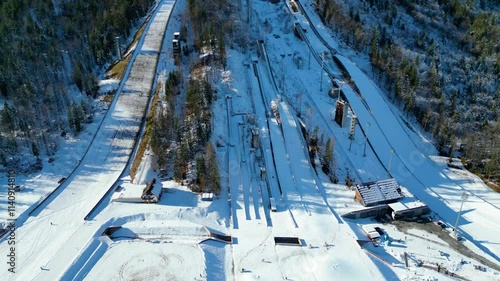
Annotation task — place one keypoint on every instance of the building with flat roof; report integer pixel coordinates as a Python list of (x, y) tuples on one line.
[(129, 192), (400, 210), (207, 196)]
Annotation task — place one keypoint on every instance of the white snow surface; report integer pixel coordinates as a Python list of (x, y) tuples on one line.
[(53, 232), (108, 85), (130, 260), (171, 240)]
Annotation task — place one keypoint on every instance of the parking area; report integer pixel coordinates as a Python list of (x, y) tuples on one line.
[(444, 234)]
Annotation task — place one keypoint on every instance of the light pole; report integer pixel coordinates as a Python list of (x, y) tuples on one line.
[(390, 161), (309, 61), (341, 83), (299, 97), (282, 74), (366, 138), (465, 197), (321, 73)]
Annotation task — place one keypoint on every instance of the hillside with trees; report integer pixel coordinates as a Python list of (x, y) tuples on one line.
[(439, 61), (180, 135), (52, 54)]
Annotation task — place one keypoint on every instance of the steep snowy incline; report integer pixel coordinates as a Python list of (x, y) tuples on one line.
[(281, 156), (393, 127), (316, 224), (281, 221), (44, 239), (327, 229), (441, 189), (420, 174), (157, 29), (252, 232)]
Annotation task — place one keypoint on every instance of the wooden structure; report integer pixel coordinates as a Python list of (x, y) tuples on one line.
[(378, 192)]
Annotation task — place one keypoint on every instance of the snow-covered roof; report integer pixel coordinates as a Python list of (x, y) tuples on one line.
[(403, 206), (379, 192), (370, 231), (207, 196), (397, 206), (129, 190)]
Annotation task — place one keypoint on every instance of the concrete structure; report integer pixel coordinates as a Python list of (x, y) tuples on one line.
[(340, 113), (272, 203), (134, 193), (401, 210), (207, 196), (370, 232), (379, 210), (263, 173), (152, 192), (396, 211), (255, 138)]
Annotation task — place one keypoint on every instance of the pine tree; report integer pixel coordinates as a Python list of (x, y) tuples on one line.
[(78, 75), (34, 149), (222, 50), (181, 162), (328, 156), (201, 173), (71, 119), (314, 137), (374, 53), (8, 121), (433, 81), (77, 114), (157, 146), (213, 177)]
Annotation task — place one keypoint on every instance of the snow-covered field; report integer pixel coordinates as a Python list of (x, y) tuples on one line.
[(176, 239), (148, 261)]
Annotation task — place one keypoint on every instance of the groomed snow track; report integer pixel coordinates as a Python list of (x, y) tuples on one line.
[(158, 46)]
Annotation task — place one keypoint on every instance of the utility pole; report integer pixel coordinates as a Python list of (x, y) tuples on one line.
[(465, 197), (390, 162), (298, 103), (366, 138), (309, 63), (340, 87), (282, 74), (321, 73)]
